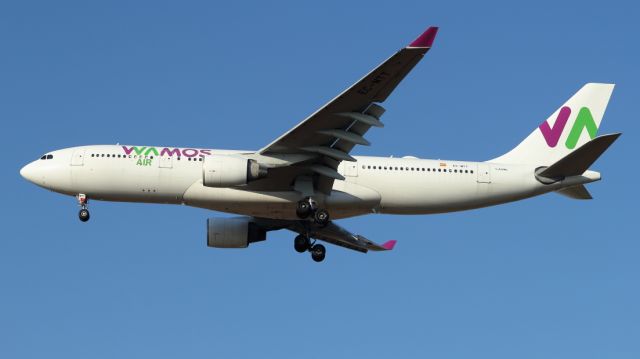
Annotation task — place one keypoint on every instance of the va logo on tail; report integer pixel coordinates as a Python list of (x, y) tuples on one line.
[(583, 120)]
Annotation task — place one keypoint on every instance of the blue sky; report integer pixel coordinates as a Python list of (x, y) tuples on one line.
[(543, 278)]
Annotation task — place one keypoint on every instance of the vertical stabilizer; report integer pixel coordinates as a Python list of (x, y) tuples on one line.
[(572, 125)]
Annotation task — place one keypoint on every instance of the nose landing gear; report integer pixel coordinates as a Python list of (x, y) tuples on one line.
[(84, 211)]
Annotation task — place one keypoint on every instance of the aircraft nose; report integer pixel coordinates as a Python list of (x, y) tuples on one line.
[(27, 172)]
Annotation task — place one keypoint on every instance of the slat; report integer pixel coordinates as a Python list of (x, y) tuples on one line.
[(360, 117), (347, 136), (330, 152), (326, 171)]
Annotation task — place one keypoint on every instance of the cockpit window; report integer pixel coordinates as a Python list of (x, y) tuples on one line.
[(43, 157), (49, 157)]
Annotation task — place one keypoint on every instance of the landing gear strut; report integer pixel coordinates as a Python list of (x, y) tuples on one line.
[(84, 211), (302, 243), (309, 208)]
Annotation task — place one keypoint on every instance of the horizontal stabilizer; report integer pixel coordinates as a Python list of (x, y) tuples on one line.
[(578, 161), (576, 192)]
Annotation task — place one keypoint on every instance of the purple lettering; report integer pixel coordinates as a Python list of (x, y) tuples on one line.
[(127, 151), (552, 135), (191, 152), (170, 152)]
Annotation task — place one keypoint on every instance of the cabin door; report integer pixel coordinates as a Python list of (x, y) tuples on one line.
[(77, 158), (484, 173)]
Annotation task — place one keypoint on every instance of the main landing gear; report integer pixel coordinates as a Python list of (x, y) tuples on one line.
[(84, 211), (309, 208), (302, 243)]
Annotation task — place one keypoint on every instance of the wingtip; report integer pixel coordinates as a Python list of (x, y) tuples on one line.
[(388, 245), (426, 39)]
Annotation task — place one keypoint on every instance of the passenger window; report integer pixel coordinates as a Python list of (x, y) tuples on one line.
[(471, 171)]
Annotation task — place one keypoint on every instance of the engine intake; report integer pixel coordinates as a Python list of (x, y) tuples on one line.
[(227, 171), (235, 232)]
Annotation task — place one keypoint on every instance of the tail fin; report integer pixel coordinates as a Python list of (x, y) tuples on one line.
[(564, 130)]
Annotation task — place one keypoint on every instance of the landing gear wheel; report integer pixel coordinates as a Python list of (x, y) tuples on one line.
[(303, 209), (84, 215), (301, 243), (321, 217), (318, 252)]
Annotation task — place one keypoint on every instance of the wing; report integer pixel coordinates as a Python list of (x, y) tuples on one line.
[(325, 138)]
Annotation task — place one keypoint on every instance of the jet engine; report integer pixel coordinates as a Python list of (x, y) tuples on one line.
[(235, 232), (227, 171)]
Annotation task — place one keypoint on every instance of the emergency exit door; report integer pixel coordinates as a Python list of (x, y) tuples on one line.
[(351, 169)]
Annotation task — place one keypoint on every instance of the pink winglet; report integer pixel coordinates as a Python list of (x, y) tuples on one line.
[(426, 39), (389, 245)]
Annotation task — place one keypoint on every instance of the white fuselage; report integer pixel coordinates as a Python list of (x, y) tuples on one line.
[(371, 185)]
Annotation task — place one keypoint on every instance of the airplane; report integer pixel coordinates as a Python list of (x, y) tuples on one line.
[(306, 179)]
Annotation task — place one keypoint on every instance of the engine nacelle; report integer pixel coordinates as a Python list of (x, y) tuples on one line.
[(227, 171), (235, 232)]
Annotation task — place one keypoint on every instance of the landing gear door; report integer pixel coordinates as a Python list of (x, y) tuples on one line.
[(77, 159), (484, 173)]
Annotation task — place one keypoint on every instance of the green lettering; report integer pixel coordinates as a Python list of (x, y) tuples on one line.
[(139, 163), (583, 120), (151, 149), (138, 150)]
